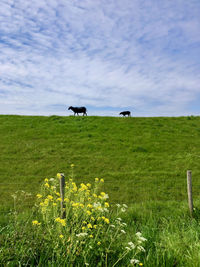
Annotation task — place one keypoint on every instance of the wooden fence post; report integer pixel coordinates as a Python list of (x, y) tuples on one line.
[(189, 189), (62, 195)]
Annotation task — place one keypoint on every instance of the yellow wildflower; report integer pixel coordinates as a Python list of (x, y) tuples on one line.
[(66, 199), (88, 192), (81, 205), (54, 204), (59, 199), (89, 225), (89, 212), (74, 187), (88, 185), (89, 205), (42, 204), (75, 204), (62, 221), (140, 264), (47, 185), (49, 197), (92, 218), (107, 204), (46, 180), (102, 194), (106, 220), (35, 222), (89, 198), (38, 196), (99, 243), (83, 228), (102, 180), (83, 187), (59, 176), (46, 202), (72, 165), (96, 179), (91, 236), (94, 195), (95, 226), (61, 236), (57, 193)]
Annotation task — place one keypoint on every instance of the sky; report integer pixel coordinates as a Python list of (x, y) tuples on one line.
[(106, 55)]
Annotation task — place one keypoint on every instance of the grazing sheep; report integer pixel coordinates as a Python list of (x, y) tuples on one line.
[(124, 113), (78, 110)]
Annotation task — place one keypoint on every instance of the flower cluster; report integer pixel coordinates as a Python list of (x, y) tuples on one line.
[(82, 220)]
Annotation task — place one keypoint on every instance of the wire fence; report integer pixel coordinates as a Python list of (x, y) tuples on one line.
[(128, 191)]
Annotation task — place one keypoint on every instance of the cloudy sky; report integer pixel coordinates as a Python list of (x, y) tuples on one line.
[(107, 55)]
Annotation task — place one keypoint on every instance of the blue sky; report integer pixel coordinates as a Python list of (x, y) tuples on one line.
[(141, 55)]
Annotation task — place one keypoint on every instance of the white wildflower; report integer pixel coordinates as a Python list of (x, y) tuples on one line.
[(123, 209), (123, 232), (125, 206), (127, 248), (96, 205), (138, 234), (112, 225), (106, 210), (118, 205), (124, 224), (51, 179), (131, 245), (105, 196), (143, 239), (134, 261), (140, 248), (119, 219), (81, 234)]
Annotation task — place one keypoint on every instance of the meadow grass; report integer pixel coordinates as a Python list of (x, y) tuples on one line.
[(142, 160), (139, 158)]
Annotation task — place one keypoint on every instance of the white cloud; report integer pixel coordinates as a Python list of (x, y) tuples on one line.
[(114, 54)]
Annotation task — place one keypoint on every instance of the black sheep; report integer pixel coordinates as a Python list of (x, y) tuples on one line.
[(78, 110), (124, 113)]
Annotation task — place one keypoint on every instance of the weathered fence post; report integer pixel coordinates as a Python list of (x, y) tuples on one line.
[(189, 189), (62, 195)]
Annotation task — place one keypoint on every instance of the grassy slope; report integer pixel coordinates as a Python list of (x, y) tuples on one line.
[(139, 158)]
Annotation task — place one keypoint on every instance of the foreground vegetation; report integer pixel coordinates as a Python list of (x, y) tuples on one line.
[(94, 234), (143, 162), (81, 232)]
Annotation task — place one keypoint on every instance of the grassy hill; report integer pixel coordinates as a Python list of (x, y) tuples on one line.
[(140, 158), (143, 162)]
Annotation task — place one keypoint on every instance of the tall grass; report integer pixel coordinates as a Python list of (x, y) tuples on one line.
[(94, 233)]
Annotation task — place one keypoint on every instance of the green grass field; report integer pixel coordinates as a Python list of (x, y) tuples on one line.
[(139, 158), (142, 160)]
